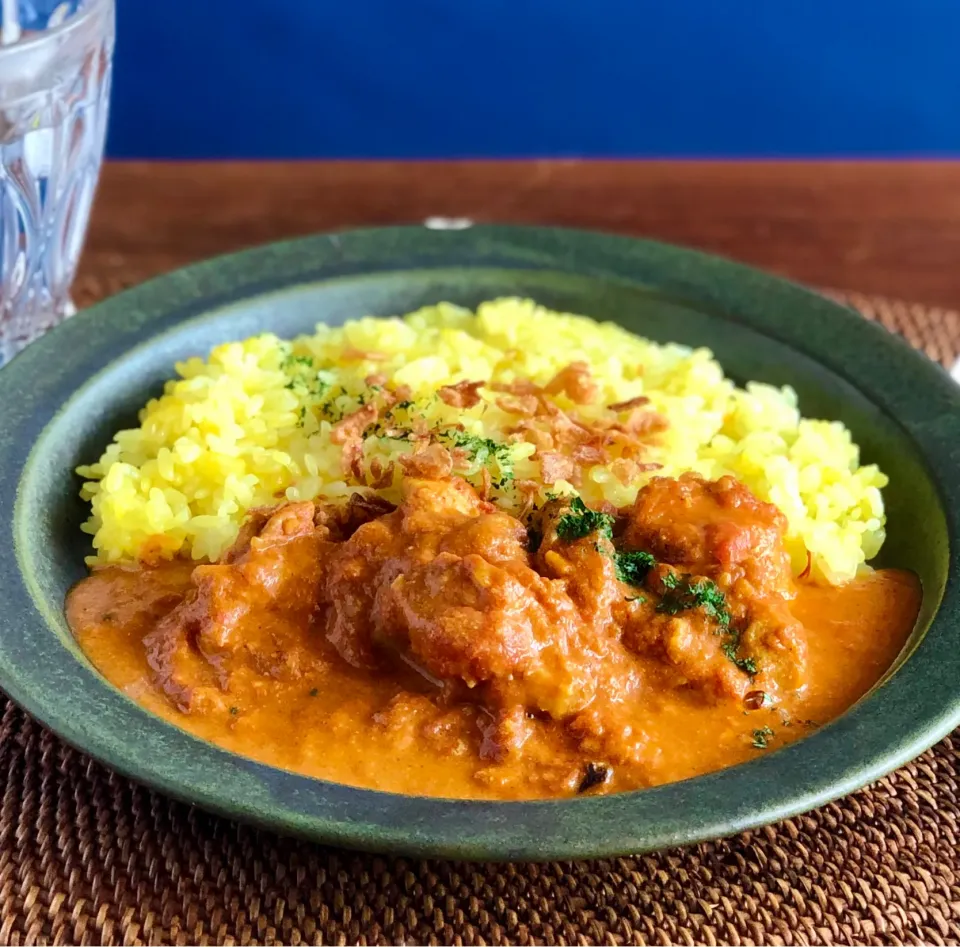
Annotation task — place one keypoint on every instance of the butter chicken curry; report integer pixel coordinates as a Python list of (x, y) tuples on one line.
[(444, 647)]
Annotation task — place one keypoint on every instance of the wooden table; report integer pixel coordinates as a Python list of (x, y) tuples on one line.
[(878, 227)]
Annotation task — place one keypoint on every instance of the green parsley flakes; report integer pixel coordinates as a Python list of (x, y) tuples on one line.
[(581, 521), (632, 567), (761, 738)]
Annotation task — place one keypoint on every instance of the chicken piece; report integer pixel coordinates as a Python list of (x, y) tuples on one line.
[(462, 618), (446, 583), (435, 506), (247, 611), (351, 587), (576, 546), (502, 629), (712, 528), (750, 642), (690, 650), (498, 537), (721, 538), (778, 644), (384, 548)]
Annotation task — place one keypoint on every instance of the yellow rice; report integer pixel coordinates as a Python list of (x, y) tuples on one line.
[(238, 431)]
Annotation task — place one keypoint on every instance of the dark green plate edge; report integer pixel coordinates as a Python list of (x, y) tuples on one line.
[(916, 707)]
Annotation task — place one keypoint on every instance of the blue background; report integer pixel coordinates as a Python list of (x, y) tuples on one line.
[(498, 78)]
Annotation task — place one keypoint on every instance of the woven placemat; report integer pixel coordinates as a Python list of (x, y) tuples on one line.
[(87, 857)]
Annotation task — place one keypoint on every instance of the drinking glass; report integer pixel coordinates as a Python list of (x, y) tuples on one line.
[(55, 61)]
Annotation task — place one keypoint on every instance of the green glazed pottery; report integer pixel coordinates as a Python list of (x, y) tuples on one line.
[(62, 399)]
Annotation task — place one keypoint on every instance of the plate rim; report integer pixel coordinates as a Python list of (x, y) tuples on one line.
[(529, 830)]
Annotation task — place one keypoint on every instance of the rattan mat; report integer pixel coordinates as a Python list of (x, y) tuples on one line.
[(87, 857)]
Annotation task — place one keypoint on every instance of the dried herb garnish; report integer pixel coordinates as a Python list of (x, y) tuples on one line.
[(482, 450), (685, 592), (581, 521), (761, 738), (731, 648), (596, 774), (305, 379), (632, 567), (670, 581)]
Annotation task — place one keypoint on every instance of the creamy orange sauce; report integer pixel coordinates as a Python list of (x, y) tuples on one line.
[(395, 729)]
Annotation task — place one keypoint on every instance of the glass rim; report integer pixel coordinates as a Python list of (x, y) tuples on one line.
[(70, 25)]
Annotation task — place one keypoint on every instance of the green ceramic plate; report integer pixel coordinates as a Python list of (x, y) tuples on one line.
[(62, 399)]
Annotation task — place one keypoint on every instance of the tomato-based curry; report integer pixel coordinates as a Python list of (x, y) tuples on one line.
[(444, 647)]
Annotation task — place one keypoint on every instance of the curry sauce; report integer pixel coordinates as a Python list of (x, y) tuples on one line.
[(447, 648)]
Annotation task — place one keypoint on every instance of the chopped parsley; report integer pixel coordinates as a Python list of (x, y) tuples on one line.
[(314, 691), (234, 711), (582, 521), (761, 738), (632, 567), (305, 380), (480, 449), (684, 592), (404, 405), (731, 649), (483, 452)]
